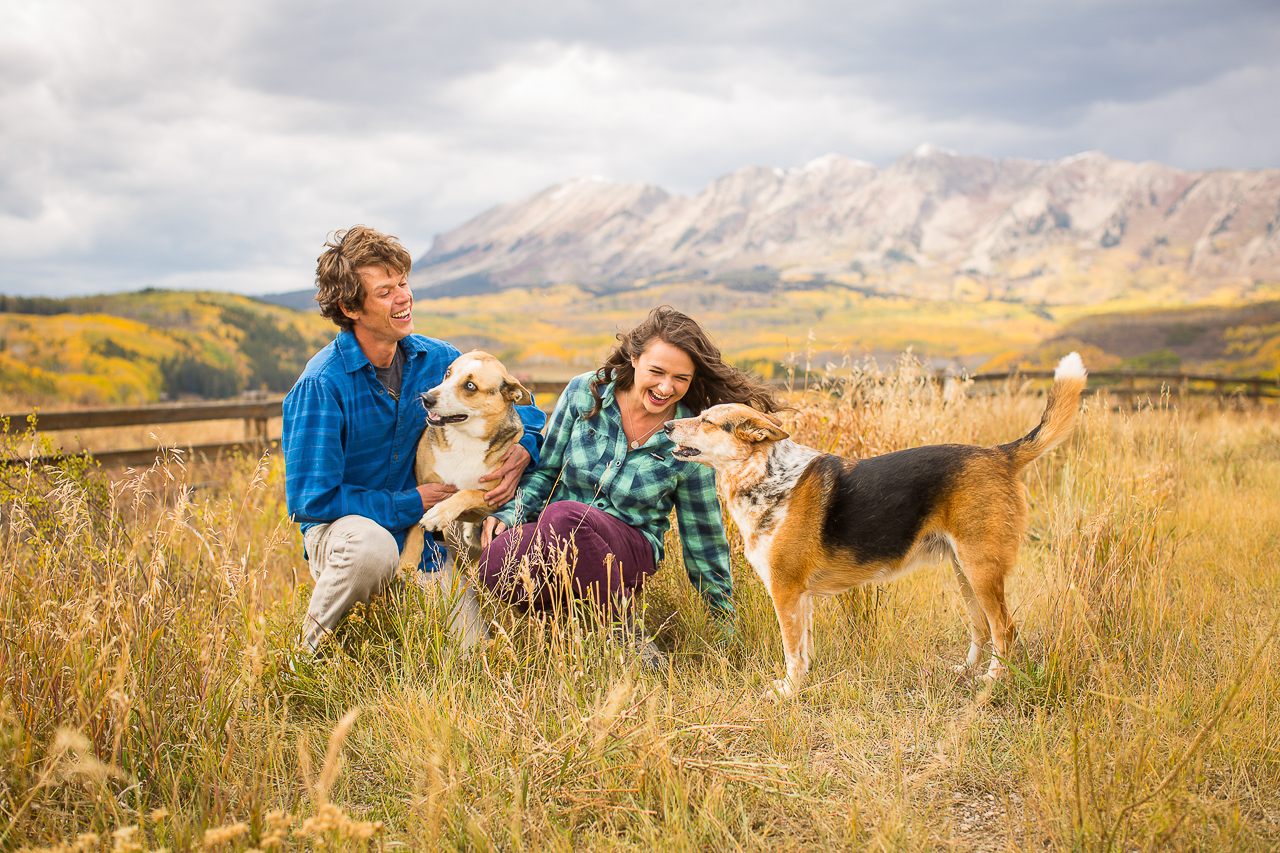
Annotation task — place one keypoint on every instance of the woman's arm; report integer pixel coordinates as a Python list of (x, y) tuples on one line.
[(706, 550)]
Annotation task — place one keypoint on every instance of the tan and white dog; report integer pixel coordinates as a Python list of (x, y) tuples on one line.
[(471, 424), (818, 524)]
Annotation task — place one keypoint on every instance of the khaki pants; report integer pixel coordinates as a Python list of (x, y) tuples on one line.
[(354, 558)]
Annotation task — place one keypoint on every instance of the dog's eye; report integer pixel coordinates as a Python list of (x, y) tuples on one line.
[(448, 373), (471, 386)]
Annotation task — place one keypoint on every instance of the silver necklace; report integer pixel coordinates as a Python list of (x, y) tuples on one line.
[(642, 439)]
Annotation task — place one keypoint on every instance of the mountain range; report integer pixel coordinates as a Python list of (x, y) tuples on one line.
[(1079, 230)]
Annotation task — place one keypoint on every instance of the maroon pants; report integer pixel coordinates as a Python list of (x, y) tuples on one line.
[(573, 548)]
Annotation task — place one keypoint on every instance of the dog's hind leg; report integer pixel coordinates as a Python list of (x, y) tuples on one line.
[(414, 542), (985, 573), (795, 619), (979, 628)]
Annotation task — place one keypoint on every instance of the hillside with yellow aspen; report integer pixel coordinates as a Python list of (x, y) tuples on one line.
[(152, 345)]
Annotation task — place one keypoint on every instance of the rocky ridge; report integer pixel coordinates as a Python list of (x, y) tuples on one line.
[(839, 219)]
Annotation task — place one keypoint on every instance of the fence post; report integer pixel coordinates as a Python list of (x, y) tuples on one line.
[(255, 430)]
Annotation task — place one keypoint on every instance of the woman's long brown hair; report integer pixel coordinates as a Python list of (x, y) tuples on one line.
[(714, 382)]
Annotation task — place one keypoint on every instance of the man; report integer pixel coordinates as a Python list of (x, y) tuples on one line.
[(351, 429)]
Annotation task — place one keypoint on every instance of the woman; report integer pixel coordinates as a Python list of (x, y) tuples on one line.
[(607, 481)]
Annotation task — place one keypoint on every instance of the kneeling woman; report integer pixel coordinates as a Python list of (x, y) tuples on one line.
[(602, 493)]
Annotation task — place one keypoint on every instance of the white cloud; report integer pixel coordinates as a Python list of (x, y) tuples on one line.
[(1232, 121), (150, 142)]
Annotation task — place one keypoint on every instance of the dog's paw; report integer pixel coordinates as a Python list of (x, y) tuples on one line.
[(992, 675), (431, 520), (781, 689), (960, 668)]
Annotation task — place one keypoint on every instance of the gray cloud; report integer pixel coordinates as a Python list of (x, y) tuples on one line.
[(151, 143)]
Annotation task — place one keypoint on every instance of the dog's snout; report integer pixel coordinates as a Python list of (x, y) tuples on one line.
[(668, 427), (429, 398)]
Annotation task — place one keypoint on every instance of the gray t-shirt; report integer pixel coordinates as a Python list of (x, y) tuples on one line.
[(390, 375)]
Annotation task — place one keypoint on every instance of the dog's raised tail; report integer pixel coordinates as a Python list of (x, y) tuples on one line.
[(1059, 417)]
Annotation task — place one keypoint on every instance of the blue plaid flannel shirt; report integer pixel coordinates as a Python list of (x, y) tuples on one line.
[(349, 445), (591, 462)]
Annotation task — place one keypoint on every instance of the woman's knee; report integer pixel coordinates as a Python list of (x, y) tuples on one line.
[(498, 564), (563, 518)]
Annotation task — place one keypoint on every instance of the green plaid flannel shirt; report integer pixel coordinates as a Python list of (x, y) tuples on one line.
[(591, 462)]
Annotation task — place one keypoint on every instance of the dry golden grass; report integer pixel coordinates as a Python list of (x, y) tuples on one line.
[(146, 632)]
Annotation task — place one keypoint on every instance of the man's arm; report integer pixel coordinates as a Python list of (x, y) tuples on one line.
[(315, 465), (518, 458), (536, 486), (534, 420), (508, 473)]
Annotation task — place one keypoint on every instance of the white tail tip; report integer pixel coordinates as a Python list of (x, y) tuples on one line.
[(1071, 367)]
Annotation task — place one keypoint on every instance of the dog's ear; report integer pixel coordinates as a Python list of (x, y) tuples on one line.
[(515, 392), (760, 427)]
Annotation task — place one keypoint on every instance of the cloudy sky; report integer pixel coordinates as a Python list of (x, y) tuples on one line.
[(172, 144)]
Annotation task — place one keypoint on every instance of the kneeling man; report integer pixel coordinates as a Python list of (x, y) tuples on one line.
[(351, 429)]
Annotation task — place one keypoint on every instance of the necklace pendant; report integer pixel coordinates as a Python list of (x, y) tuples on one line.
[(635, 444)]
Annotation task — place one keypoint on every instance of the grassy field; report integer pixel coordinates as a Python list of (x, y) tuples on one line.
[(147, 622)]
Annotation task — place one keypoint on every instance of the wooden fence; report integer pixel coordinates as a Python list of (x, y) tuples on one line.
[(1131, 385), (256, 415)]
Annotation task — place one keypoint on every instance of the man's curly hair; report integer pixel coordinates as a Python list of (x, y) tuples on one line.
[(337, 285)]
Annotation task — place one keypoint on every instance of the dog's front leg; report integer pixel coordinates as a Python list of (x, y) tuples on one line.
[(795, 619), (447, 511)]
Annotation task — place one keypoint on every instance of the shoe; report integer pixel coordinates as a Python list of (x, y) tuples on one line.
[(651, 657), (631, 636), (297, 672)]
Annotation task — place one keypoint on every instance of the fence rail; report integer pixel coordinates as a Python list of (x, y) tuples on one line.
[(257, 413), (1176, 383)]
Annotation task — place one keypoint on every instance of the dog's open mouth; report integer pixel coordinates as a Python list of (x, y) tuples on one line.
[(682, 452), (441, 420)]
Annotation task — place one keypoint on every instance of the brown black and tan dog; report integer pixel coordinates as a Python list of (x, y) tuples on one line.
[(818, 524), (471, 424)]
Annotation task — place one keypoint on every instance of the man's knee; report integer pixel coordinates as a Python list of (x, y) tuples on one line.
[(365, 549)]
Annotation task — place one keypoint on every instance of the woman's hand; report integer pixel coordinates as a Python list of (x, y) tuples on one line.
[(492, 527)]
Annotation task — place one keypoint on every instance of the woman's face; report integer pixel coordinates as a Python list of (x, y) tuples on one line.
[(663, 374)]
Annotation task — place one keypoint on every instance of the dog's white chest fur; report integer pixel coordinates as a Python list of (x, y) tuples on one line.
[(760, 507), (462, 464)]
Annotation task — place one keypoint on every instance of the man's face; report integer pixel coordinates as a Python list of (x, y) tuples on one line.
[(387, 314)]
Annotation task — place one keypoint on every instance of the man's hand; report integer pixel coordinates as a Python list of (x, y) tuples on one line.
[(433, 493), (492, 527), (513, 465)]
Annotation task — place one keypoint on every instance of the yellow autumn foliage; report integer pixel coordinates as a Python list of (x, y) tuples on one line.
[(127, 349)]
